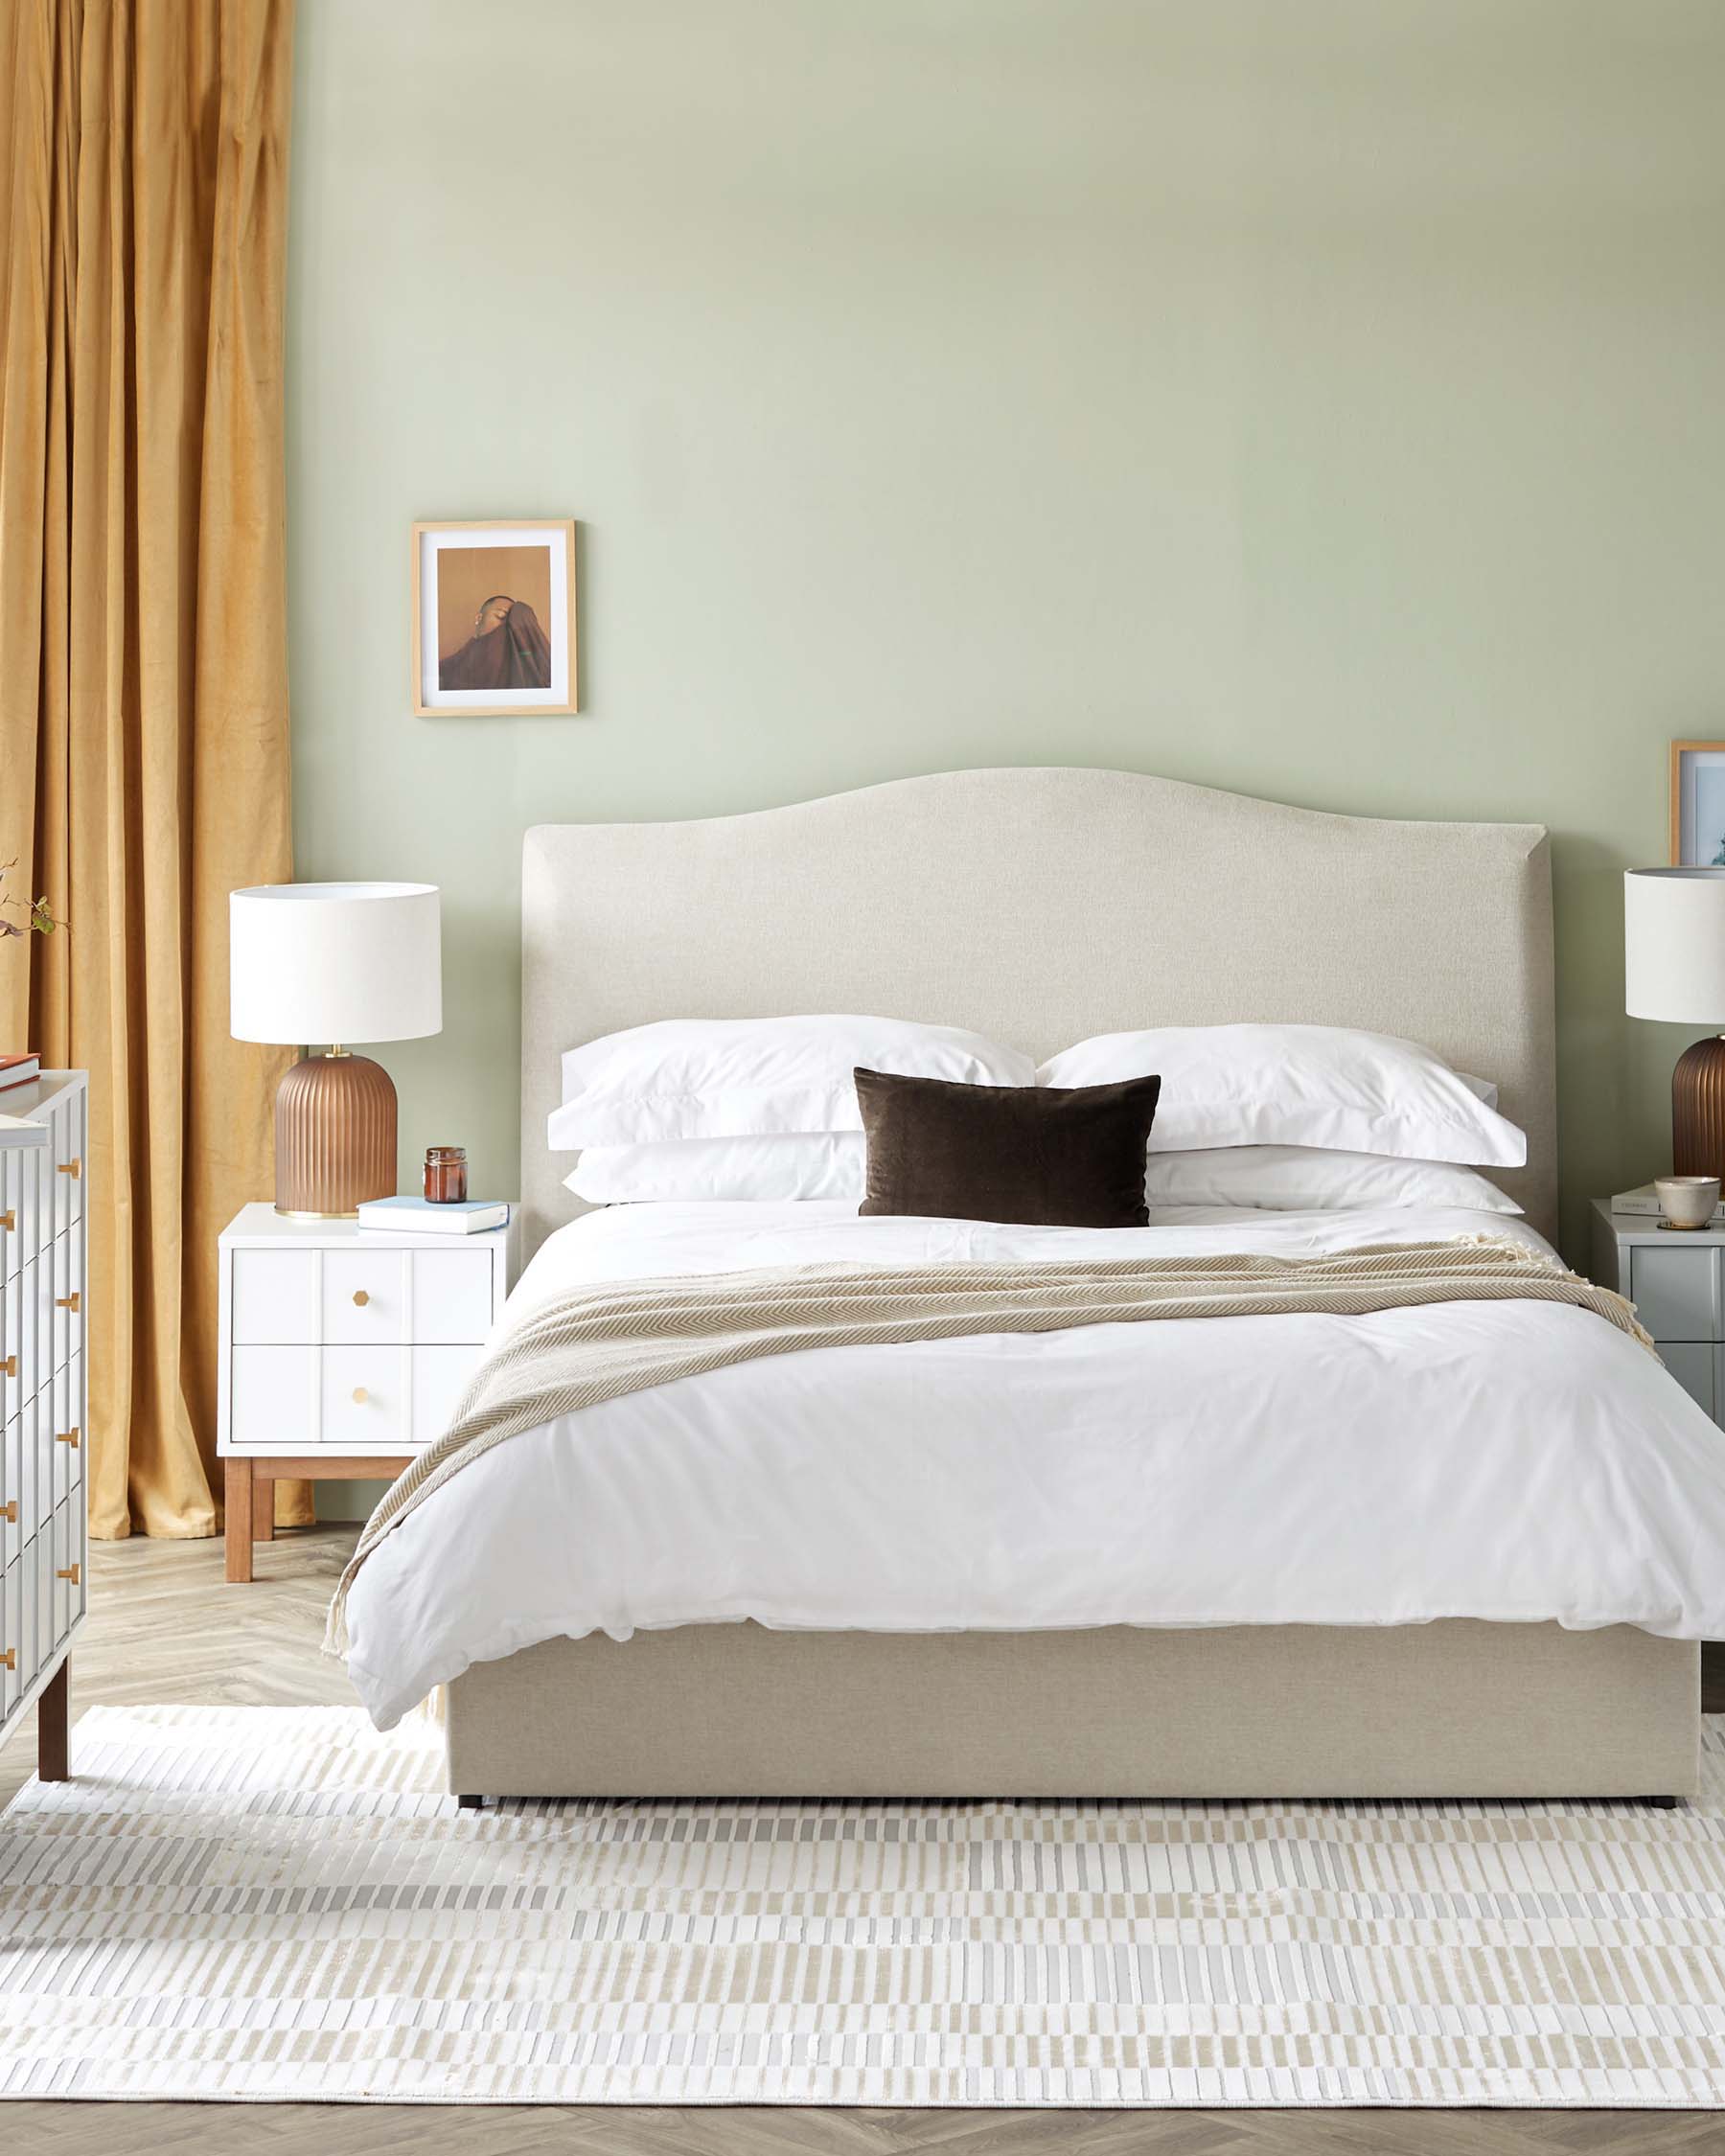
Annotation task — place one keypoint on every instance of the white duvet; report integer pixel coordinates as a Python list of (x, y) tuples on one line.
[(1517, 1461)]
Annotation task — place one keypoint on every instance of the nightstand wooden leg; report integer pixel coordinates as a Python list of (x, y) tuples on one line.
[(54, 1759), (240, 1520), (262, 1508)]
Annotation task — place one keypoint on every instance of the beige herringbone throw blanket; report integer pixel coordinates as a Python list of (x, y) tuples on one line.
[(597, 1344)]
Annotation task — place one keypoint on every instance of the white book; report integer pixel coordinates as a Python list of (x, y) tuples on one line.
[(1644, 1203), (418, 1216)]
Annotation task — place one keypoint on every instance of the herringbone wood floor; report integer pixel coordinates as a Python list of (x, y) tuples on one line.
[(165, 1628)]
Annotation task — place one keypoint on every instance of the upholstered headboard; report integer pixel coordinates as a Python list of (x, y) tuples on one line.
[(1040, 907)]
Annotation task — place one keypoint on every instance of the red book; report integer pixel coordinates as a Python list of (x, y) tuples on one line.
[(18, 1070)]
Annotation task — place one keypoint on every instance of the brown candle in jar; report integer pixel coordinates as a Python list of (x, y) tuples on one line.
[(446, 1174)]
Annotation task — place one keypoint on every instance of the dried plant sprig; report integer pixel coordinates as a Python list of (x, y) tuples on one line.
[(39, 913)]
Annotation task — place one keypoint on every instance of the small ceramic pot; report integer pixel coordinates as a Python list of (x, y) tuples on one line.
[(1687, 1200)]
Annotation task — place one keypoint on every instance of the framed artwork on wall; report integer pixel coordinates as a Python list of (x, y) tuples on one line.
[(494, 618), (1698, 804)]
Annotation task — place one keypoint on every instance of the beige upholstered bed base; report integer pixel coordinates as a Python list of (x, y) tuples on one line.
[(1458, 1709)]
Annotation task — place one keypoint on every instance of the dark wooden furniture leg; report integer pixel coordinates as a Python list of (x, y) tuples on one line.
[(54, 1758), (239, 1530), (262, 1508)]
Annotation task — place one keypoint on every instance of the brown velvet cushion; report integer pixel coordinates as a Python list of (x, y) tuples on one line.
[(1043, 1155)]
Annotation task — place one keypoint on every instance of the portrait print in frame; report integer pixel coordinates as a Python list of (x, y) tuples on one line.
[(494, 618), (1698, 804)]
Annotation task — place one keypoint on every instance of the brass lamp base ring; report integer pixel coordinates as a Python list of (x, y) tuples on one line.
[(335, 1137)]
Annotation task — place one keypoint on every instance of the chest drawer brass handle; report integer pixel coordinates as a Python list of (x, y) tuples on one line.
[(66, 1437), (9, 1512), (10, 1222), (72, 1168), (8, 1658), (68, 1303), (361, 1395), (68, 1571), (361, 1297), (9, 1367)]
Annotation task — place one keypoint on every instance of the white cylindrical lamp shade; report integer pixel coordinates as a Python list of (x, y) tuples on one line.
[(337, 962), (1674, 945)]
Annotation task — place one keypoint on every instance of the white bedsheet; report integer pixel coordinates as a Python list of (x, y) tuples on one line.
[(1517, 1461)]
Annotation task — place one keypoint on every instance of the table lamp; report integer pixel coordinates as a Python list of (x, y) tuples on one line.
[(336, 962), (1675, 970)]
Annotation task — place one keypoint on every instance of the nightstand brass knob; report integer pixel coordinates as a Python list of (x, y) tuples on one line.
[(68, 1303), (66, 1437), (68, 1571), (72, 1168), (8, 1658), (9, 1512), (361, 1297), (8, 1221), (360, 1394)]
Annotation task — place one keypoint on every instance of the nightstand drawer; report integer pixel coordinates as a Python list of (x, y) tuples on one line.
[(1676, 1292), (337, 1399)]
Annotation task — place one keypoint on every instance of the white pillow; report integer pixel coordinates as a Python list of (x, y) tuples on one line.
[(811, 1164), (1299, 1178), (698, 1078), (831, 1165), (1297, 1084)]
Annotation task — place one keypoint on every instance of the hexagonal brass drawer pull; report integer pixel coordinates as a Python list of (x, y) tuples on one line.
[(9, 1367), (68, 1571), (361, 1395), (66, 1437), (360, 1297), (72, 1168), (9, 1512), (10, 1222), (8, 1658)]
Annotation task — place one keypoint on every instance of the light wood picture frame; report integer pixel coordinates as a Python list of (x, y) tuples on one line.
[(494, 618), (1697, 828)]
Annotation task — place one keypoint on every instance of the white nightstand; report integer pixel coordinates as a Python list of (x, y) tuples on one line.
[(342, 1354), (1676, 1281)]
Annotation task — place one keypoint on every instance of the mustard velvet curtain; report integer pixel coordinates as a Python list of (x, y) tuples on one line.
[(144, 766)]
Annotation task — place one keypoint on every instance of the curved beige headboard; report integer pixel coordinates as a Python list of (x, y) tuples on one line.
[(1040, 907)]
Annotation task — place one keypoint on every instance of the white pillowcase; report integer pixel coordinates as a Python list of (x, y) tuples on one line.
[(1300, 1179), (813, 1164), (1282, 1178), (1297, 1084), (705, 1078)]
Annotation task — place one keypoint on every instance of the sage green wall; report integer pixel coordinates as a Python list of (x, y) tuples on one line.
[(1319, 400)]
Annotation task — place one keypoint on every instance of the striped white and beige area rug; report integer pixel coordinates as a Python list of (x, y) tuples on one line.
[(256, 1902)]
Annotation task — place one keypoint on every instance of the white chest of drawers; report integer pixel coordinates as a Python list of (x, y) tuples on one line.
[(343, 1353), (43, 1418)]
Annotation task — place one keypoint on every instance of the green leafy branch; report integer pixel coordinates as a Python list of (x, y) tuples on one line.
[(39, 913)]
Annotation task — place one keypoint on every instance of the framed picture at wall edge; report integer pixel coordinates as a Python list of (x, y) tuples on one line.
[(494, 618), (1698, 804)]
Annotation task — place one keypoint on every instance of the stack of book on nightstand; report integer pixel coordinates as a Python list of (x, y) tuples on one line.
[(418, 1216), (1643, 1202)]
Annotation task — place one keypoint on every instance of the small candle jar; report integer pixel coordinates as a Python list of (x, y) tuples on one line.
[(446, 1174)]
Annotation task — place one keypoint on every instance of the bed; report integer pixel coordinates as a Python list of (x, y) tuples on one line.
[(1040, 907)]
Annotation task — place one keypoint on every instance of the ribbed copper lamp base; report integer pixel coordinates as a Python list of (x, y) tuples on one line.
[(1698, 1109), (334, 1136)]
